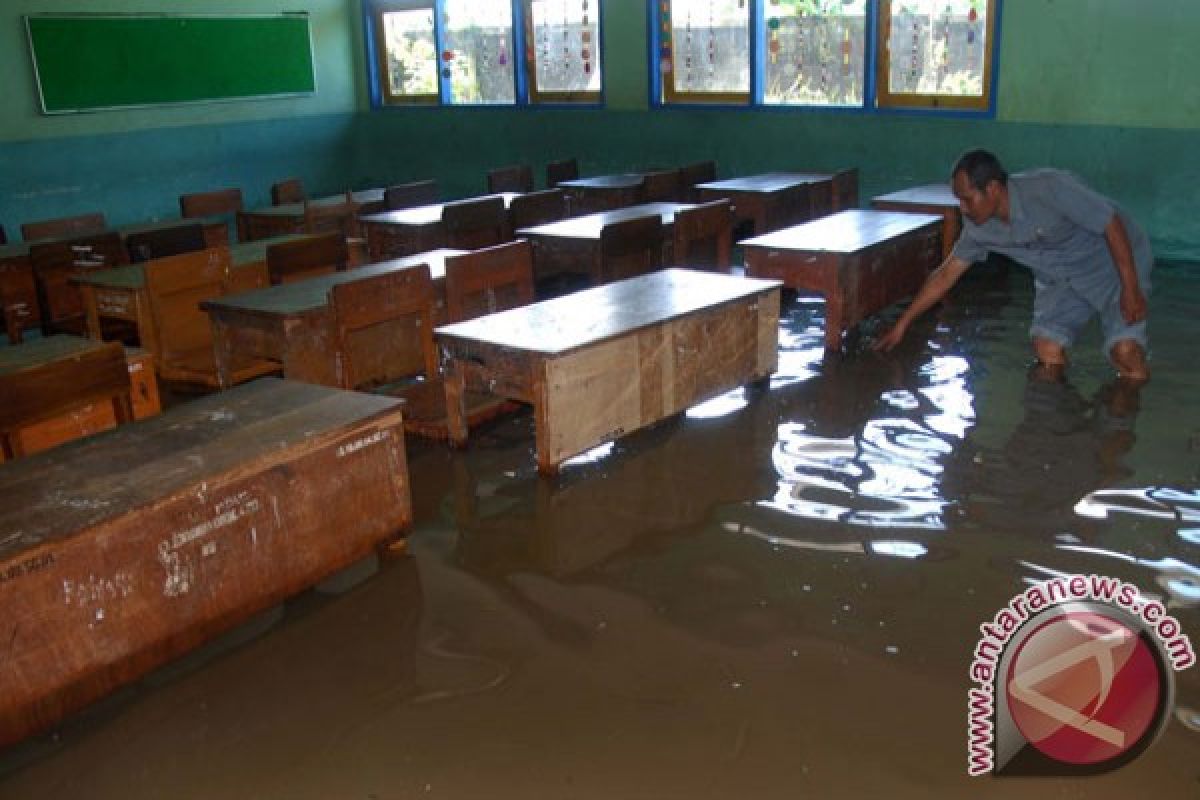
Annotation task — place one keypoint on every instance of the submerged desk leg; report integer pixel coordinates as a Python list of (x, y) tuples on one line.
[(542, 429), (222, 350), (456, 413)]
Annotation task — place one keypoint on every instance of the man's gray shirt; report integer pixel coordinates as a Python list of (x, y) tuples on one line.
[(1056, 228)]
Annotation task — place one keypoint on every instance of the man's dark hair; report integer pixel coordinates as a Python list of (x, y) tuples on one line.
[(981, 167)]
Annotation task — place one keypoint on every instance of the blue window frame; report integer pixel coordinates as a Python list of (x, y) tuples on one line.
[(865, 55), (483, 52)]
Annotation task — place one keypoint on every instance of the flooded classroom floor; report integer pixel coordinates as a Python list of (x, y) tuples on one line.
[(776, 595)]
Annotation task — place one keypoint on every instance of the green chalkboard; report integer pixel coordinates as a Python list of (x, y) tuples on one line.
[(91, 62)]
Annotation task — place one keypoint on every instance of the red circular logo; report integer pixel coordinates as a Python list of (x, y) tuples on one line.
[(1083, 688)]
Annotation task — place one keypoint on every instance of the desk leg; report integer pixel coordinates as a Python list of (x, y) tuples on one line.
[(223, 352), (542, 429), (456, 413), (92, 312), (834, 320)]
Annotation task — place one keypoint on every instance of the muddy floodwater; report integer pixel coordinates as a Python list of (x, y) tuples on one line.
[(775, 595)]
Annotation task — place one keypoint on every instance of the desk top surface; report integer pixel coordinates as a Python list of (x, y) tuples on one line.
[(933, 194), (767, 182), (844, 232), (34, 352), (427, 215), (588, 226), (627, 180), (556, 326), (133, 276), (62, 491), (300, 297), (362, 196)]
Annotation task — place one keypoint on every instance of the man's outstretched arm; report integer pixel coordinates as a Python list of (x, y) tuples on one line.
[(931, 292)]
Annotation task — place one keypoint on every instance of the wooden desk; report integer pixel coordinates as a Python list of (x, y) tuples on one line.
[(392, 234), (261, 223), (291, 323), (18, 290), (755, 198), (120, 292), (88, 419), (934, 198), (603, 192), (862, 261), (574, 243), (604, 362), (125, 550)]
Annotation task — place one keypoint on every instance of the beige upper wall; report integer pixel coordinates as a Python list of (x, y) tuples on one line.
[(336, 30)]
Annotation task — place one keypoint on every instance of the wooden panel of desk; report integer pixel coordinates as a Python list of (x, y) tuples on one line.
[(139, 544), (601, 363), (291, 323), (861, 261), (85, 420), (755, 198)]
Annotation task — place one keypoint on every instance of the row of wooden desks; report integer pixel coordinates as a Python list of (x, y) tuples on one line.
[(132, 547), (268, 221), (291, 323), (18, 289), (120, 292), (411, 230), (573, 244)]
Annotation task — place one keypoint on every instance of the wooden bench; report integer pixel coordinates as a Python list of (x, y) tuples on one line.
[(277, 220), (765, 201), (419, 229), (128, 549), (861, 261), (604, 362)]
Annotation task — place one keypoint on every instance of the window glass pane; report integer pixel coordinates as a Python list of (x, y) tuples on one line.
[(706, 46), (814, 52), (937, 47), (411, 52), (563, 45), (477, 51)]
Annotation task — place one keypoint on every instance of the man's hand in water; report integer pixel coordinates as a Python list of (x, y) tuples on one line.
[(891, 338)]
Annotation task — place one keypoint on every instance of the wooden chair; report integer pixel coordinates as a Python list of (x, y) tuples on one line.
[(489, 280), (147, 245), (60, 387), (558, 171), (287, 191), (175, 286), (692, 174), (536, 208), (845, 189), (410, 195), (661, 187), (471, 224), (219, 202), (63, 226), (53, 264), (703, 236), (307, 258), (630, 248), (383, 340), (517, 178)]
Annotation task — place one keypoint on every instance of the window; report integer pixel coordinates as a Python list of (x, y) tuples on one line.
[(704, 51), (936, 53), (897, 54), (469, 52), (562, 50)]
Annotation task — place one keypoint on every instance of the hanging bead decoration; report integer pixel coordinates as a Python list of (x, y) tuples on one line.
[(799, 41), (687, 50), (773, 38), (566, 41), (972, 18), (712, 40), (845, 50), (585, 38), (912, 64), (664, 54)]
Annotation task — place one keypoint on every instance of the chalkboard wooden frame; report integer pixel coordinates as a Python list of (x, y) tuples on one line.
[(86, 62)]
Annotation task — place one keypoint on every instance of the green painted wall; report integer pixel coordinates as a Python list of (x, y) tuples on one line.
[(1101, 87)]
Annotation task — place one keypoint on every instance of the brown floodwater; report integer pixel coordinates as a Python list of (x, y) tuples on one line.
[(775, 595)]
